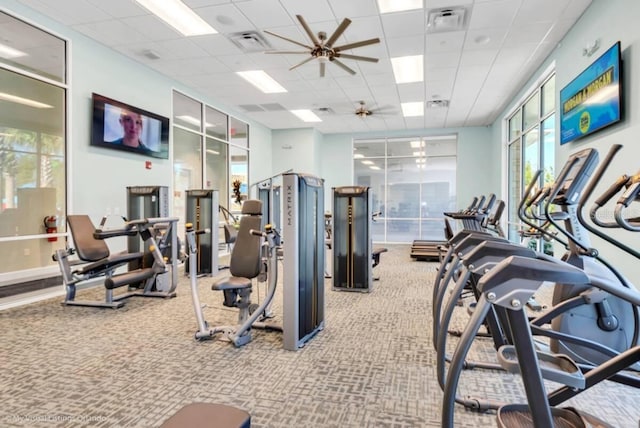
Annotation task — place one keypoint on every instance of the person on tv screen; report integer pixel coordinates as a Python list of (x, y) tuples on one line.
[(132, 125)]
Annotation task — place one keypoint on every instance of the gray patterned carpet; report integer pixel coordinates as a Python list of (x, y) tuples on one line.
[(372, 366)]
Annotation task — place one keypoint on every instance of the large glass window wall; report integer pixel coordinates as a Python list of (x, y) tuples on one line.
[(413, 182), (33, 92)]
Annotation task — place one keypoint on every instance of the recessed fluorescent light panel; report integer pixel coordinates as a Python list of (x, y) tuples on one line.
[(387, 6), (412, 109), (179, 16), (407, 69), (8, 52), (306, 115), (24, 101), (262, 81)]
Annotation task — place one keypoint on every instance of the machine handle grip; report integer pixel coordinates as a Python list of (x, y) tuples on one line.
[(612, 190)]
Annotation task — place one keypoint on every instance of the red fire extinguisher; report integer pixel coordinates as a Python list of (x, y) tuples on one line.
[(51, 226)]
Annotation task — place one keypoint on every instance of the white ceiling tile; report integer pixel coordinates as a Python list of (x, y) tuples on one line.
[(438, 89), (442, 60), (456, 63), (438, 4), (120, 8), (112, 32), (410, 92), (440, 74), (152, 27), (474, 40), (353, 8), (478, 57), (444, 42), (311, 11), (492, 14), (477, 73), (265, 14), (540, 11), (402, 24), (225, 18), (530, 33), (403, 46)]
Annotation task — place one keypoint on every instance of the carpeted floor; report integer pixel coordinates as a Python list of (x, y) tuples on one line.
[(372, 365)]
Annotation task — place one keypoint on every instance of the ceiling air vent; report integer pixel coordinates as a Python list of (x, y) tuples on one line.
[(249, 41), (446, 19), (437, 104), (325, 110)]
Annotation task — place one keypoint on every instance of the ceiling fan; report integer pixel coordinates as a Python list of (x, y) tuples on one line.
[(363, 111), (323, 49)]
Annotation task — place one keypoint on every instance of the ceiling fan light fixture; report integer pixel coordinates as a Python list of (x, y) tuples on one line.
[(389, 6), (179, 16), (262, 81), (408, 69)]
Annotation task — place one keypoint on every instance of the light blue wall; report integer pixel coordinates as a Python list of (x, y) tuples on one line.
[(296, 149), (478, 170), (609, 21), (98, 177)]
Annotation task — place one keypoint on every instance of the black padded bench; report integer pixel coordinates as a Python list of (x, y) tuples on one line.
[(208, 415)]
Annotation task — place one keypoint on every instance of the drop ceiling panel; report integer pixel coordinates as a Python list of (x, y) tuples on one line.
[(265, 13), (403, 46), (478, 57), (152, 27), (441, 60), (477, 39), (311, 11), (540, 11), (493, 14), (437, 4), (530, 33), (455, 63), (112, 32), (444, 42), (402, 24), (353, 8), (120, 8), (410, 92), (225, 18)]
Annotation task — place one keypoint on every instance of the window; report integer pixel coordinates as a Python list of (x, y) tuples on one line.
[(32, 147), (210, 151), (413, 182), (531, 146)]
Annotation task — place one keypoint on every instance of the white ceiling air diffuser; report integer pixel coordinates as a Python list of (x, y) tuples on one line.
[(249, 41), (446, 19)]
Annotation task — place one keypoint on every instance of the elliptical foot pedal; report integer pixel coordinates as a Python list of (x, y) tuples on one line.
[(555, 367), (519, 415)]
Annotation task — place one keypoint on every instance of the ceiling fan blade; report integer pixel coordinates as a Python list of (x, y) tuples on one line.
[(303, 62), (322, 68), (287, 52), (288, 39), (343, 26), (356, 44), (342, 65), (357, 57), (312, 36)]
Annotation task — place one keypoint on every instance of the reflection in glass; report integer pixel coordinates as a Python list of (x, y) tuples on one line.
[(186, 170), (187, 112), (239, 132), (216, 176), (216, 124), (239, 172)]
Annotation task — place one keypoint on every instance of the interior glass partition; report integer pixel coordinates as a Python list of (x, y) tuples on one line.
[(413, 182)]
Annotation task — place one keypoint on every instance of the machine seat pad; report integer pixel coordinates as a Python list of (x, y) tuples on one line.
[(378, 251), (114, 260), (208, 415), (232, 283), (128, 278)]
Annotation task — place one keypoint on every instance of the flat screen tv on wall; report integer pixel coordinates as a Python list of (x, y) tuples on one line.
[(593, 100), (119, 126)]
